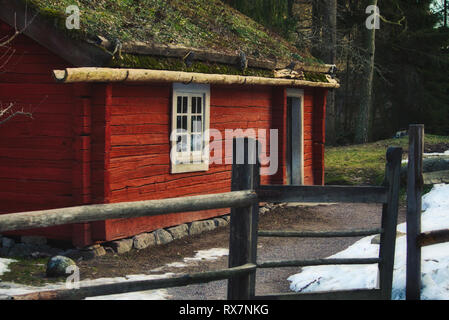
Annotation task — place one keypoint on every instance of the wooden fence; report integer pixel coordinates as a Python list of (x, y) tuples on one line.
[(415, 239), (244, 198)]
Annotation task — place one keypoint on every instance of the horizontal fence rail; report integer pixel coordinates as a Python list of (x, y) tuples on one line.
[(323, 194), (317, 262), (100, 212), (244, 203), (136, 286), (356, 294), (433, 237), (319, 234)]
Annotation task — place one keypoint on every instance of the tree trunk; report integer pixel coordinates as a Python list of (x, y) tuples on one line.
[(445, 13), (330, 56), (317, 26), (366, 89)]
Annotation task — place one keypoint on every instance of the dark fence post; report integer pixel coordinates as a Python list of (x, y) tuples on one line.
[(244, 221), (414, 194), (389, 222)]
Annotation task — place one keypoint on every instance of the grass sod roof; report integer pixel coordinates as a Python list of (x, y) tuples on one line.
[(199, 24)]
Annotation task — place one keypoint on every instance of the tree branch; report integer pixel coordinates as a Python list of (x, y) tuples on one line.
[(8, 113)]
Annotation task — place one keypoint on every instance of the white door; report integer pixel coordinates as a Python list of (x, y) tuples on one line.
[(295, 138)]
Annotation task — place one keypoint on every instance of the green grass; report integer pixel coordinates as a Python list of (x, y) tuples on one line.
[(202, 24), (29, 272), (365, 164)]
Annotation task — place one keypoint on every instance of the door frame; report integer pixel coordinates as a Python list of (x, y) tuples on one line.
[(299, 95)]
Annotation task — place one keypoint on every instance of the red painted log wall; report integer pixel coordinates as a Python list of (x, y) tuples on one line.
[(36, 155), (107, 143), (140, 149)]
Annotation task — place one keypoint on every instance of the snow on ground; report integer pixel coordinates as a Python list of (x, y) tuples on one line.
[(9, 289), (436, 154), (430, 155), (211, 254), (4, 265), (201, 255), (434, 267)]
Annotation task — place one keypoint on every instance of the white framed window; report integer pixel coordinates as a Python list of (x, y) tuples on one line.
[(190, 127)]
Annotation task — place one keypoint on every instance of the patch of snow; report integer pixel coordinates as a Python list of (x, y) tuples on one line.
[(160, 294), (201, 255), (436, 154), (176, 265), (144, 295), (10, 289), (210, 254), (437, 197), (340, 277), (428, 155), (4, 265), (434, 267)]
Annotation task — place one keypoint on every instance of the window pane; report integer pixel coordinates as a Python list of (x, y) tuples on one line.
[(197, 124), (181, 122), (179, 104), (181, 143), (197, 143), (199, 105), (184, 105), (193, 104)]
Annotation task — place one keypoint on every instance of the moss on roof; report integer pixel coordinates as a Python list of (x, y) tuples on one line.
[(173, 64), (201, 24)]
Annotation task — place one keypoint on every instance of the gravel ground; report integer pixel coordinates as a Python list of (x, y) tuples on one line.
[(322, 217)]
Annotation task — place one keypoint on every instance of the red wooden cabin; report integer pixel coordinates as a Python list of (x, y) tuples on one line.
[(104, 140)]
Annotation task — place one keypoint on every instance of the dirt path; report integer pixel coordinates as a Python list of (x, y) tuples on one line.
[(154, 260)]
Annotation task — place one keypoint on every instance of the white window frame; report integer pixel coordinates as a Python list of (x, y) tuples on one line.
[(190, 161)]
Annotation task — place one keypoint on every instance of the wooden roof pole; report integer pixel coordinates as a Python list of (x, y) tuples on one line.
[(74, 75)]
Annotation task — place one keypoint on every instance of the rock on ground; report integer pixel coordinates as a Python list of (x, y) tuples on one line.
[(179, 232), (162, 236), (198, 227), (57, 266), (143, 241), (220, 222), (33, 240), (93, 251), (7, 242), (122, 246)]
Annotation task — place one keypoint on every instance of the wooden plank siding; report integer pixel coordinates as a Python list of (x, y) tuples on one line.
[(108, 143), (140, 128), (36, 155)]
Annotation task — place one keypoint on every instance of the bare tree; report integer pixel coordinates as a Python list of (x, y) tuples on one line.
[(364, 116), (330, 52), (10, 110)]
